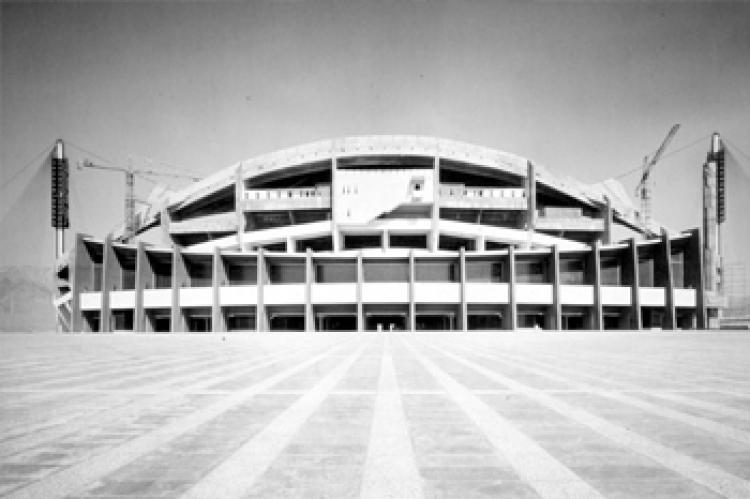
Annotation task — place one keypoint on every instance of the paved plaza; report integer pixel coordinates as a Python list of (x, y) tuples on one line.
[(568, 415)]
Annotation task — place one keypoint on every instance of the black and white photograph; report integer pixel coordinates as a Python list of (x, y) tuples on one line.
[(374, 249)]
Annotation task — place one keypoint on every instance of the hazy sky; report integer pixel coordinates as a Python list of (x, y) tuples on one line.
[(585, 89)]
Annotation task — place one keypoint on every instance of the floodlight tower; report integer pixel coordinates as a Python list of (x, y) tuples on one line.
[(59, 184), (714, 214)]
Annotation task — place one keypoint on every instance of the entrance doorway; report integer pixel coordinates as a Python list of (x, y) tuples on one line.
[(435, 322), (337, 322), (386, 322)]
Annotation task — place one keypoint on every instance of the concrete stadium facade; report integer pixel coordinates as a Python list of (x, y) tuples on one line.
[(385, 233)]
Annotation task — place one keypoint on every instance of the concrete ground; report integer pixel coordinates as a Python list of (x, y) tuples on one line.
[(570, 415)]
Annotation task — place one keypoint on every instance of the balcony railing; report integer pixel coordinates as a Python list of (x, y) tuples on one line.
[(460, 196), (290, 198)]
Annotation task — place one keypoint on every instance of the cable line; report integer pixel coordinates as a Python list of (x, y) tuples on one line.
[(639, 168), (46, 150)]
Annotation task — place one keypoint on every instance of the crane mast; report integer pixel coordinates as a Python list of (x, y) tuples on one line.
[(644, 186), (130, 173)]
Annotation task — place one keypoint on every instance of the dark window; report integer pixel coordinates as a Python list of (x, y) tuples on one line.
[(435, 271), (287, 273), (611, 272), (386, 271), (328, 272), (530, 271), (242, 273), (484, 271), (572, 271)]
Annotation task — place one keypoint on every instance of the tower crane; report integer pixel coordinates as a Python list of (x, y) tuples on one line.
[(643, 189), (130, 173)]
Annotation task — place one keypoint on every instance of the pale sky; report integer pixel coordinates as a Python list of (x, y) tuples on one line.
[(585, 89)]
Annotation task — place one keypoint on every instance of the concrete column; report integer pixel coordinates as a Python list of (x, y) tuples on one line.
[(597, 275), (218, 279), (435, 226), (109, 282), (412, 303), (79, 267), (179, 280), (531, 197), (479, 242), (556, 303), (142, 278), (384, 240), (694, 276), (669, 285), (309, 316), (260, 308), (239, 206), (165, 219), (637, 323), (512, 322), (290, 245), (607, 216), (360, 281), (334, 198), (462, 274)]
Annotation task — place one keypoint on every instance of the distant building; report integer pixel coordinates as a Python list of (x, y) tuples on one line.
[(386, 233)]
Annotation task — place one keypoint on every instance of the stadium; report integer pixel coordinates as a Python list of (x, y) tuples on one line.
[(385, 233)]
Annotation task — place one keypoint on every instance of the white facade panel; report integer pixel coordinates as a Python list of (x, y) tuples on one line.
[(91, 300), (385, 292), (437, 292), (652, 297), (238, 295), (122, 299), (486, 292), (333, 293), (284, 294), (157, 298), (684, 297), (540, 294), (576, 295), (616, 296), (196, 297)]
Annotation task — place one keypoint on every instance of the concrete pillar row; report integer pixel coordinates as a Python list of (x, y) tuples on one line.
[(179, 279), (512, 322), (412, 304), (218, 278), (462, 273), (109, 263), (260, 309), (637, 323), (309, 274), (598, 309), (360, 280), (556, 303), (142, 273), (669, 307), (696, 250), (79, 261)]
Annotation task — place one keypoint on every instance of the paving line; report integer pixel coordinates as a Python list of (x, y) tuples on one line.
[(390, 469), (545, 474), (667, 395), (642, 372), (58, 428), (106, 371), (75, 478), (235, 476), (701, 472), (707, 425)]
